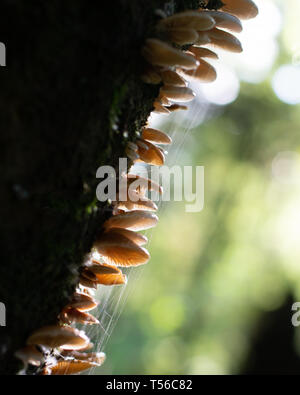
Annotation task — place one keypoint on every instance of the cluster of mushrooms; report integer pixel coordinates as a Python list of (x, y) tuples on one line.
[(174, 57)]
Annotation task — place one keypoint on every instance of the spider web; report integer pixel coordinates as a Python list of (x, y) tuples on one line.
[(112, 300)]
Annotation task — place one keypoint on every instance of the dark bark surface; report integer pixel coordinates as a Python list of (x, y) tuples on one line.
[(68, 93)]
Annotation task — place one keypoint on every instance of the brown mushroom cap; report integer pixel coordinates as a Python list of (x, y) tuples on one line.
[(118, 250), (178, 94), (244, 9), (188, 20), (160, 53), (149, 153), (205, 72), (156, 136), (133, 220), (224, 40), (59, 336), (225, 20), (182, 36), (68, 367)]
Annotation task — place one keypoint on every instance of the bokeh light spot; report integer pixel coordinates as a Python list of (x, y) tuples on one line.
[(286, 84)]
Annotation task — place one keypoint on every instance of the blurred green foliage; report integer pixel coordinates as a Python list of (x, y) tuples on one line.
[(213, 275)]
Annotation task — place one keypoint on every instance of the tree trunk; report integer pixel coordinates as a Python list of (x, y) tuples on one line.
[(69, 91)]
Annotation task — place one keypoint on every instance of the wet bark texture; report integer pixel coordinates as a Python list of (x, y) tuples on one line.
[(69, 91)]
